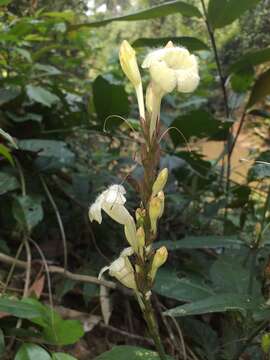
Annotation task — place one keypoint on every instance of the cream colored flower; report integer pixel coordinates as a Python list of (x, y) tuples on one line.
[(122, 270), (172, 67), (128, 61), (112, 202)]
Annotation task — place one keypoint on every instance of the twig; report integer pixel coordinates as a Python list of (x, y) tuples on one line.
[(58, 270), (59, 219), (128, 334)]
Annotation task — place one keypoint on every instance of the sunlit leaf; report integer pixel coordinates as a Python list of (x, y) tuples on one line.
[(260, 89), (31, 352)]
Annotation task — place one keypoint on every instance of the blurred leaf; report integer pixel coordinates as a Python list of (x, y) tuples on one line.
[(19, 308), (26, 117), (8, 182), (25, 54), (7, 95), (242, 80), (201, 242), (9, 138), (4, 151), (168, 8), (224, 12), (129, 352), (46, 69), (67, 15), (4, 2), (197, 123), (28, 211), (2, 343), (260, 89), (168, 284), (62, 356), (260, 112), (250, 59), (41, 95), (109, 99), (32, 352), (261, 168), (216, 303), (52, 154), (191, 43)]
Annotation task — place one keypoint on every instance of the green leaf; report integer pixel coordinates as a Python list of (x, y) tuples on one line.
[(261, 168), (67, 15), (242, 80), (8, 182), (4, 151), (5, 2), (191, 43), (19, 308), (224, 12), (202, 242), (41, 95), (28, 211), (32, 352), (115, 98), (250, 59), (216, 303), (63, 332), (260, 89), (172, 7), (62, 356), (197, 123), (52, 154), (168, 284), (129, 352), (2, 343), (6, 95), (9, 138)]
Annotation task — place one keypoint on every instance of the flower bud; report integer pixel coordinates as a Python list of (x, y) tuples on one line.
[(156, 208), (140, 215), (128, 61), (140, 237), (159, 259), (123, 271), (160, 182)]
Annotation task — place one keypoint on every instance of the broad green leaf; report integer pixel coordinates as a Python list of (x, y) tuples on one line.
[(216, 303), (4, 151), (191, 43), (129, 352), (52, 154), (8, 182), (260, 89), (224, 12), (172, 7), (41, 95), (115, 98), (197, 123), (202, 242), (19, 308), (67, 15), (242, 80), (28, 211), (2, 343), (32, 352), (168, 284), (250, 59), (62, 356), (261, 167), (9, 138), (46, 69), (4, 2), (7, 95)]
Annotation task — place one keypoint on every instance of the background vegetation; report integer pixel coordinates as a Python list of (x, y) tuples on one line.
[(60, 80)]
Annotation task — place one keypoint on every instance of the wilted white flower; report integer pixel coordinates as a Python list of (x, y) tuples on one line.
[(112, 202), (122, 270), (173, 67)]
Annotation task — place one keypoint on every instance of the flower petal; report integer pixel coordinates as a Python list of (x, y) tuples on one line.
[(117, 212), (95, 212), (187, 80), (115, 194), (163, 76)]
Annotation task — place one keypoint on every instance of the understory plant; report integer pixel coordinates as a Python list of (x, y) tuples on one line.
[(170, 68)]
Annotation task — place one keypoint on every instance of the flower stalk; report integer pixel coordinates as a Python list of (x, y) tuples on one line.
[(136, 268)]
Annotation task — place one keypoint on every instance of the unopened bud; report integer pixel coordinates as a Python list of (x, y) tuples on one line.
[(159, 259), (160, 182), (140, 215), (161, 197), (123, 271), (155, 211), (128, 61), (140, 237)]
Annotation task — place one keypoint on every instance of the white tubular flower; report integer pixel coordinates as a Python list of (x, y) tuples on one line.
[(128, 61), (123, 271), (173, 67), (112, 202)]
